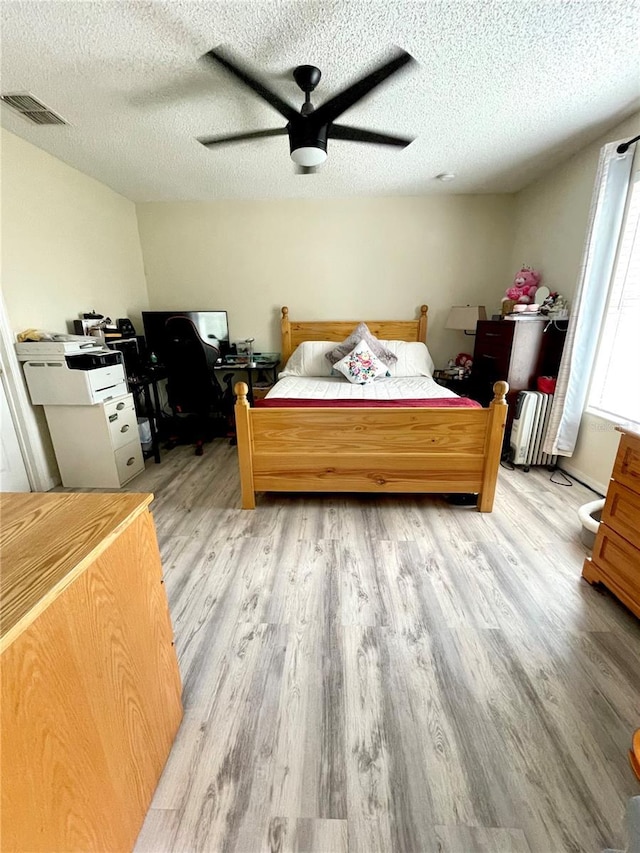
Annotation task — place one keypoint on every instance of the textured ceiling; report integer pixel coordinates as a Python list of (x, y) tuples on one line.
[(504, 90)]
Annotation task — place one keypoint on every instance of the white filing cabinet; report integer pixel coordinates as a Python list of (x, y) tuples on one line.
[(96, 446)]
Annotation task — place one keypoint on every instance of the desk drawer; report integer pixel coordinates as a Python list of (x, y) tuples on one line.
[(129, 461), (619, 560), (627, 467), (622, 512), (123, 423), (490, 367), (118, 404), (492, 351), (493, 337)]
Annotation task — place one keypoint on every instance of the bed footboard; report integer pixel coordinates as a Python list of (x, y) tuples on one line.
[(370, 450)]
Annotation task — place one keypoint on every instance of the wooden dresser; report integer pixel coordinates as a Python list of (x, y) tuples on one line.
[(616, 552), (90, 683)]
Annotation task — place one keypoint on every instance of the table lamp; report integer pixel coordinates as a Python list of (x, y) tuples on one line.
[(465, 318)]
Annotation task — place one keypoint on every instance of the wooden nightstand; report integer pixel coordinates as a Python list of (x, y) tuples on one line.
[(451, 381)]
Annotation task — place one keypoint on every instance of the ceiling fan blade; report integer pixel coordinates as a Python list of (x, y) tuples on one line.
[(341, 102), (306, 170), (210, 141), (359, 134), (250, 80)]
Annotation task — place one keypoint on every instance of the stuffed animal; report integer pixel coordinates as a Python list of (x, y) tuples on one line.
[(463, 364), (463, 359), (524, 287)]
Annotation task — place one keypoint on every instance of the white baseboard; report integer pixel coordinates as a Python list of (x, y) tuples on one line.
[(600, 488)]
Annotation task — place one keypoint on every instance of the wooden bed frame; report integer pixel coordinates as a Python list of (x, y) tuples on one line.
[(367, 450)]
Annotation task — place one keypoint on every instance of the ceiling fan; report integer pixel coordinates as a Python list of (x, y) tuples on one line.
[(309, 129)]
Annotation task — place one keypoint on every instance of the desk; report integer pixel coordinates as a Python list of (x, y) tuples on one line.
[(268, 367), (90, 681)]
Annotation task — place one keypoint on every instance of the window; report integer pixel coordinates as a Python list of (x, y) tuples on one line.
[(615, 383)]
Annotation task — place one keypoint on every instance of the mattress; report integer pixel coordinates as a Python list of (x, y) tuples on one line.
[(336, 388)]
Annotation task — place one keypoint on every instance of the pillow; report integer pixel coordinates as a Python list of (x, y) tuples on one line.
[(361, 333), (308, 359), (412, 358), (361, 366)]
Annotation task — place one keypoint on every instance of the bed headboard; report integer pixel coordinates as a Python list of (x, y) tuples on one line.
[(293, 333)]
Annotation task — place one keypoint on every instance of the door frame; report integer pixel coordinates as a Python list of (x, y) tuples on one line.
[(32, 448)]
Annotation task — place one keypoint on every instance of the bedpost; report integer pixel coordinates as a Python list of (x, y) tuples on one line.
[(493, 446), (422, 324), (245, 445), (285, 327)]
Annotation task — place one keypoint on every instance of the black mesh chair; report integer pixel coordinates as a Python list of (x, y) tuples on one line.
[(191, 383)]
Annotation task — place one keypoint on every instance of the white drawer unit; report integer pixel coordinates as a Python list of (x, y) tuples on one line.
[(96, 446), (122, 420)]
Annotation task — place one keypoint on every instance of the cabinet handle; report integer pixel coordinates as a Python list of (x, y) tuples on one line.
[(131, 460), (124, 427), (492, 335), (120, 406), (113, 418), (492, 357)]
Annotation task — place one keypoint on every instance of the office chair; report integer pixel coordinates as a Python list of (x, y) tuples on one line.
[(192, 387)]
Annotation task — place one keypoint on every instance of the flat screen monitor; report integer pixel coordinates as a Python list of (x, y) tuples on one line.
[(212, 326)]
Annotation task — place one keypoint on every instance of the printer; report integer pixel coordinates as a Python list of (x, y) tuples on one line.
[(76, 372)]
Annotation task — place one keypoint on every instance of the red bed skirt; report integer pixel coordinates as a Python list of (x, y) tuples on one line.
[(310, 403)]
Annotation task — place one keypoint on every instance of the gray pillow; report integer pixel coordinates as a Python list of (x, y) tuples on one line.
[(361, 333)]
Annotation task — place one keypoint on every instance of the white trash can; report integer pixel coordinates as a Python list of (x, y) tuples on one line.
[(590, 515), (144, 431)]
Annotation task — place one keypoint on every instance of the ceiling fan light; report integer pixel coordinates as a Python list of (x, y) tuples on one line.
[(308, 156)]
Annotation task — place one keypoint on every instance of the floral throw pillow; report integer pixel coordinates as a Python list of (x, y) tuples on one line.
[(361, 366), (361, 333)]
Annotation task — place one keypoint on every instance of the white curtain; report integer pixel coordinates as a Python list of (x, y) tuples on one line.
[(603, 230)]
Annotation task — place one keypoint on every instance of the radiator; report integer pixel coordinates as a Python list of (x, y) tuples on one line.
[(529, 429)]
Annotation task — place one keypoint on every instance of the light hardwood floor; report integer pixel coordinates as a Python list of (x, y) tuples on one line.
[(373, 674)]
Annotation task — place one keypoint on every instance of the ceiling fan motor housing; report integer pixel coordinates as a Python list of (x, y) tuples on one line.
[(305, 133)]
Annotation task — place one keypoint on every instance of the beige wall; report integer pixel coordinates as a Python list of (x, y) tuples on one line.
[(352, 258), (69, 244), (550, 228)]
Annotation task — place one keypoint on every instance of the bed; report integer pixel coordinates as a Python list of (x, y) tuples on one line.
[(367, 446)]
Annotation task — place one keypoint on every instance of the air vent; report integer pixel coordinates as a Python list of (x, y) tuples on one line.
[(31, 108)]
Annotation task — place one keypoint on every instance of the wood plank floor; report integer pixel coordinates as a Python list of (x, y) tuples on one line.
[(374, 674)]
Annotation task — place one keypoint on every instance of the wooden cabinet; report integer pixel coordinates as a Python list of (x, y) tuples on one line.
[(90, 683), (505, 349), (616, 552)]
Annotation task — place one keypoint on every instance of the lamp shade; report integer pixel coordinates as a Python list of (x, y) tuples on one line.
[(465, 317)]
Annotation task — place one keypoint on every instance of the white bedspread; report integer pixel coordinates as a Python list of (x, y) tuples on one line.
[(335, 388)]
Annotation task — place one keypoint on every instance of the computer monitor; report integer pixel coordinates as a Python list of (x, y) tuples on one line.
[(212, 326)]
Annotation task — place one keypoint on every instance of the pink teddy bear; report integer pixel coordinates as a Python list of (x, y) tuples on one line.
[(525, 285)]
